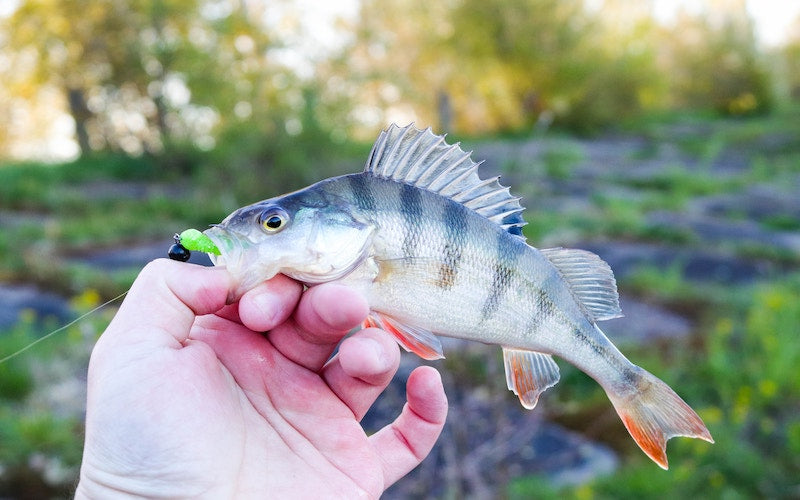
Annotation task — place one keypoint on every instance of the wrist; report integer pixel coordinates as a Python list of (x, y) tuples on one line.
[(98, 484), (90, 490)]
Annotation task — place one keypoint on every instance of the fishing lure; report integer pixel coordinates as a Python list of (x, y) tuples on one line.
[(189, 240)]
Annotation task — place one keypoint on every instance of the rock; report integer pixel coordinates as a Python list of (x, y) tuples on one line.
[(13, 219), (759, 202), (734, 233), (695, 265), (487, 442), (18, 298), (644, 323), (489, 438), (136, 256)]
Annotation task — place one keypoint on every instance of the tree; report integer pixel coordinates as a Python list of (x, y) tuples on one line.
[(499, 64), (790, 55), (714, 61), (137, 76)]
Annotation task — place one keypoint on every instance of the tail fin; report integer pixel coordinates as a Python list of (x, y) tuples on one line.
[(654, 414)]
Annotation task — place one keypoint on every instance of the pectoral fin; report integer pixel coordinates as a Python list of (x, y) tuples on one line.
[(529, 373), (413, 339)]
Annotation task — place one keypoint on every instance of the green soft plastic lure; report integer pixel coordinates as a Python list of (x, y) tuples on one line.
[(191, 239)]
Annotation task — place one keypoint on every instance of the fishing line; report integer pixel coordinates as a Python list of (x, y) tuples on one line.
[(62, 328)]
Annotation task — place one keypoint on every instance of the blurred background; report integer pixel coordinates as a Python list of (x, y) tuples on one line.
[(662, 135)]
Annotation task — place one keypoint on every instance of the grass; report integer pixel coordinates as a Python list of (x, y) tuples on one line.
[(30, 431), (682, 183), (740, 387), (560, 157), (736, 371), (58, 211)]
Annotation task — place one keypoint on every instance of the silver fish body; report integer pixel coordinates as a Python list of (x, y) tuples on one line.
[(438, 251)]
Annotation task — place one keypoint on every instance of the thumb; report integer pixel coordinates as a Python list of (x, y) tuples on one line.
[(164, 301)]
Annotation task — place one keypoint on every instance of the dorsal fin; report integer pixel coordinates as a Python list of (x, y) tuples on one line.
[(590, 279), (424, 160)]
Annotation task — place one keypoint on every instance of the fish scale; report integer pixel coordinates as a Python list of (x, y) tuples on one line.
[(436, 250)]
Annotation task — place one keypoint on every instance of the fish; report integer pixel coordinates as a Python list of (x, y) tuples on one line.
[(438, 251)]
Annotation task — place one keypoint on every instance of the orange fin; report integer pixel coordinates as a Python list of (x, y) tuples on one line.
[(655, 414), (413, 339), (529, 373)]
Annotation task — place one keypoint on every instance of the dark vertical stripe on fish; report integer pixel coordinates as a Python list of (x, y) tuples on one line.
[(593, 345), (604, 352), (508, 251), (544, 305), (411, 208), (362, 192), (455, 224), (544, 309)]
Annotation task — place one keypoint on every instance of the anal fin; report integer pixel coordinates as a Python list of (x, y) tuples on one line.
[(529, 373), (413, 339)]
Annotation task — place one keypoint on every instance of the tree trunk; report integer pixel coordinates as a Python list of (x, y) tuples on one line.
[(161, 119), (445, 110), (81, 114)]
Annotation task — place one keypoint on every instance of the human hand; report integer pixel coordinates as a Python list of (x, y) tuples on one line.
[(187, 399)]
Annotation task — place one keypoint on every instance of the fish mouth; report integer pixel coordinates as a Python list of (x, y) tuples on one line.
[(231, 247), (234, 251)]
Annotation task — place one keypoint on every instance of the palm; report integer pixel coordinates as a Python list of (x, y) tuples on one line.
[(231, 412), (279, 413)]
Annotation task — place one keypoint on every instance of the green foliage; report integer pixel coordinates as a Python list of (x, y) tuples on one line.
[(41, 440), (54, 212), (682, 183), (611, 91), (717, 64), (16, 380), (768, 332), (522, 64), (782, 222), (262, 158), (667, 284), (36, 433), (559, 160), (197, 75), (741, 389), (533, 487), (42, 187), (789, 56)]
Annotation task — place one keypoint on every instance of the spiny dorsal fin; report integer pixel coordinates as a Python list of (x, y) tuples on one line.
[(591, 280), (423, 159)]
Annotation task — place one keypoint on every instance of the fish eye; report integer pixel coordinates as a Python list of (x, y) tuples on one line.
[(273, 220)]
